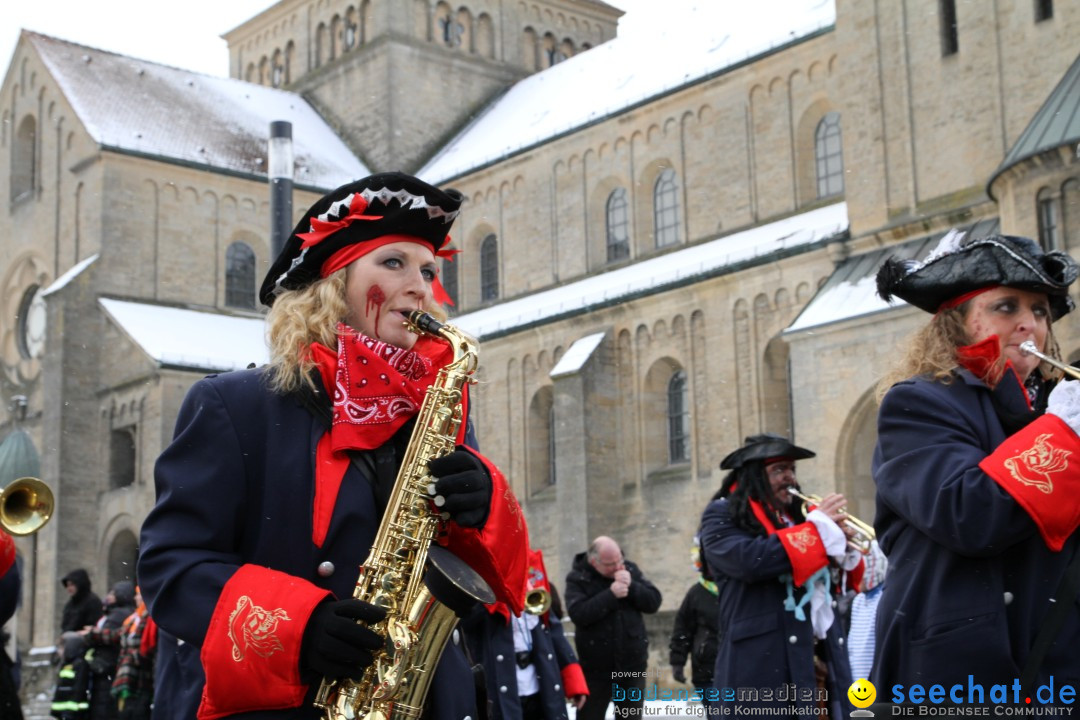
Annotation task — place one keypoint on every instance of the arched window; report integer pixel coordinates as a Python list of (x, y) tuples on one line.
[(550, 50), (950, 36), (541, 441), (448, 278), (122, 457), (250, 74), (322, 44), (23, 159), (1049, 207), (264, 70), (448, 30), (336, 32), (1044, 10), (678, 407), (666, 209), (240, 276), (290, 61), (618, 226), (352, 30), (277, 71), (489, 269), (829, 156)]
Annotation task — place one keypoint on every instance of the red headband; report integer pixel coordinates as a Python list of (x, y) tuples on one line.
[(961, 299)]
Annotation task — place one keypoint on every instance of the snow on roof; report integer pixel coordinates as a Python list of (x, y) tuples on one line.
[(193, 339), (574, 358), (656, 273), (618, 74), (143, 107), (70, 275)]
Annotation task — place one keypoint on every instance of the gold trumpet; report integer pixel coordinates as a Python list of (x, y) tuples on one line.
[(864, 532), (537, 601), (1028, 348), (25, 506)]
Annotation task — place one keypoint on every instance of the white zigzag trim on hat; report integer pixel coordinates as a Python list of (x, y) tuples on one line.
[(385, 195), (950, 245)]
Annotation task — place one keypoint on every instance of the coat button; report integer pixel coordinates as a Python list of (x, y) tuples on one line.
[(499, 658), (840, 640), (1008, 597), (326, 568), (558, 687), (550, 656), (834, 603), (502, 688), (793, 639)]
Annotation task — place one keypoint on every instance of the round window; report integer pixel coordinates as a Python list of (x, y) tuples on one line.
[(31, 338)]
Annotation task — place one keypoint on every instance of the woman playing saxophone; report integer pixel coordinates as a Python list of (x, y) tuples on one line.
[(271, 493)]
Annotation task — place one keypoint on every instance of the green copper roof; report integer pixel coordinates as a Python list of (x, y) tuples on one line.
[(1056, 123), (18, 458)]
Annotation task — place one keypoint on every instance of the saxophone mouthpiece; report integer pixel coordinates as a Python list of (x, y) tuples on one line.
[(420, 321)]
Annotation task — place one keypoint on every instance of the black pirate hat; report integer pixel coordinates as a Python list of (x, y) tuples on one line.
[(763, 447), (378, 206), (960, 265)]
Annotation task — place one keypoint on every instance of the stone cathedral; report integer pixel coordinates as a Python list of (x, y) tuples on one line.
[(669, 241)]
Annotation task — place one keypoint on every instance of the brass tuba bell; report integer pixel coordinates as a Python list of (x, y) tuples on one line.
[(25, 506), (537, 601)]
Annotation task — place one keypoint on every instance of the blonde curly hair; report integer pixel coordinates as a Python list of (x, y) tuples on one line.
[(931, 351)]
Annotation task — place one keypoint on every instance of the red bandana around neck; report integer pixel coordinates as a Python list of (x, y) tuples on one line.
[(376, 387)]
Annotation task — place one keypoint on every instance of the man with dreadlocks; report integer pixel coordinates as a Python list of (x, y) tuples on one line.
[(777, 572)]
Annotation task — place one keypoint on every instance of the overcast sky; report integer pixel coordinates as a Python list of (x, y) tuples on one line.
[(185, 34)]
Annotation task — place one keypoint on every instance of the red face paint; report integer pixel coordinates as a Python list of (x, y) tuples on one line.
[(375, 299)]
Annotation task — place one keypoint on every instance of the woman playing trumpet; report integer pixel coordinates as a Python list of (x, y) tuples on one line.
[(976, 489)]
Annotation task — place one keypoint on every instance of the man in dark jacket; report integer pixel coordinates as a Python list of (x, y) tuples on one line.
[(83, 606), (606, 595), (695, 631)]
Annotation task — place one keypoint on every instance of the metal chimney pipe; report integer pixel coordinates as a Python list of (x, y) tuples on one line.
[(280, 171)]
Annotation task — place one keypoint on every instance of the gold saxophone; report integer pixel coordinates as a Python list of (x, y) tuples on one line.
[(403, 572)]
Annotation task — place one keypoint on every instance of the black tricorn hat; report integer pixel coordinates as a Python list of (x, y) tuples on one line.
[(763, 447), (379, 205), (961, 265)]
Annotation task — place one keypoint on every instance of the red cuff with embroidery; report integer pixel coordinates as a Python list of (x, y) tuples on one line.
[(498, 551), (7, 553), (1033, 466), (804, 549), (573, 681), (252, 649)]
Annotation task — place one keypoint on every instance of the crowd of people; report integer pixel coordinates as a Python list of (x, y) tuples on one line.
[(973, 574)]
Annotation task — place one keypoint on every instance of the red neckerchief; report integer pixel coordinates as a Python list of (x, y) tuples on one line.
[(377, 387)]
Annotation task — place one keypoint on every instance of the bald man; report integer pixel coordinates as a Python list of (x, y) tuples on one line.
[(606, 595)]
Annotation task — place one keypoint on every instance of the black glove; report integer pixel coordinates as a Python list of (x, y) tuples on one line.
[(462, 488), (678, 673), (334, 645)]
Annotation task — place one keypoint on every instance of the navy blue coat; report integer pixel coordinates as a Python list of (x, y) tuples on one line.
[(236, 486), (763, 645), (491, 642), (970, 578)]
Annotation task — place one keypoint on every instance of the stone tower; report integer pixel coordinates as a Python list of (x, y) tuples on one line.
[(398, 78)]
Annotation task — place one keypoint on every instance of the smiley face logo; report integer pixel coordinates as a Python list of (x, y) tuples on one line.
[(862, 693)]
